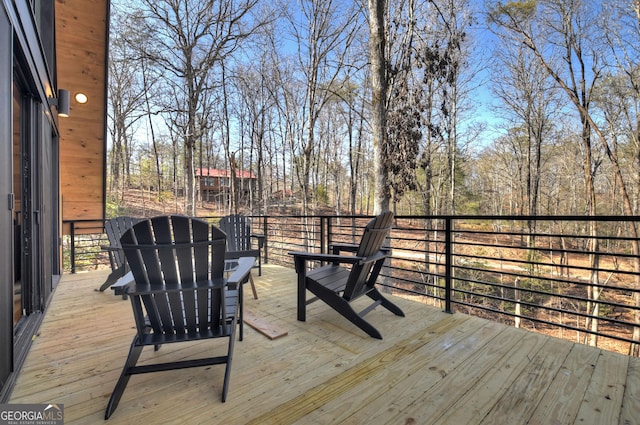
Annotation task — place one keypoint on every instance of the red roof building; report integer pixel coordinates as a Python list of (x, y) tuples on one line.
[(215, 184)]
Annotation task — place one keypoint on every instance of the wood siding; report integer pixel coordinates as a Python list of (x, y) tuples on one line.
[(81, 44)]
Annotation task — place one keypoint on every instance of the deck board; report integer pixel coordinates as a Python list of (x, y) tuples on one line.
[(562, 399), (631, 401), (431, 367), (526, 392), (603, 399)]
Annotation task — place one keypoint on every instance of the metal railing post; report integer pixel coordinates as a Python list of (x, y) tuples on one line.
[(265, 232), (448, 273), (322, 236), (73, 246), (329, 233)]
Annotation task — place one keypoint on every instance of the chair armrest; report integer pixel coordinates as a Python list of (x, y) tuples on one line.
[(344, 259), (145, 289), (333, 258), (236, 278), (342, 246), (240, 274), (110, 248), (350, 247), (383, 253), (122, 285), (260, 239)]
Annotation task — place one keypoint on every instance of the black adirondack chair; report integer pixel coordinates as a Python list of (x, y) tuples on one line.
[(115, 228), (240, 242), (180, 293), (337, 285)]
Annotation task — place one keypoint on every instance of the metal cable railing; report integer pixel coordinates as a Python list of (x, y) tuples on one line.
[(571, 276)]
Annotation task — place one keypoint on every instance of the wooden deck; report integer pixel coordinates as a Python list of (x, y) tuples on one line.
[(431, 368)]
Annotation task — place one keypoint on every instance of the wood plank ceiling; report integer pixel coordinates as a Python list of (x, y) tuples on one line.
[(81, 46)]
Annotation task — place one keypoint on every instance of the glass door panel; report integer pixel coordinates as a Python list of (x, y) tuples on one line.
[(17, 190)]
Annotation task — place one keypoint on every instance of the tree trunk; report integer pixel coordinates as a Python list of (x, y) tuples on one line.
[(379, 88)]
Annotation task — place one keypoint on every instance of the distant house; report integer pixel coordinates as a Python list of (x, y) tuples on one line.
[(215, 185)]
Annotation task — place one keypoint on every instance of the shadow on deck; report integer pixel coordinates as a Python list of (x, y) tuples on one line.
[(430, 368)]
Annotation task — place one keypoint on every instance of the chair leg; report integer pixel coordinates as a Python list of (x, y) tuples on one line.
[(227, 371), (253, 286), (375, 295), (112, 278), (355, 318), (301, 266), (241, 311), (345, 309), (132, 359)]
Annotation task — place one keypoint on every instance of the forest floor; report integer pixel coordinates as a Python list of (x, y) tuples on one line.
[(138, 203)]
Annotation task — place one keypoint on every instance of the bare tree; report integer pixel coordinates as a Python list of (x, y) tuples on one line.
[(568, 25), (254, 111), (379, 90), (321, 30), (191, 37), (126, 97), (289, 101), (620, 102), (529, 100)]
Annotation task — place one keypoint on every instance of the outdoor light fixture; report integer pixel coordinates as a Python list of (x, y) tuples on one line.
[(61, 102), (81, 98)]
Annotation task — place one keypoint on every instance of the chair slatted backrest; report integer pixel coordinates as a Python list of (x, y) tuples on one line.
[(238, 230), (184, 257), (115, 228), (363, 276)]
